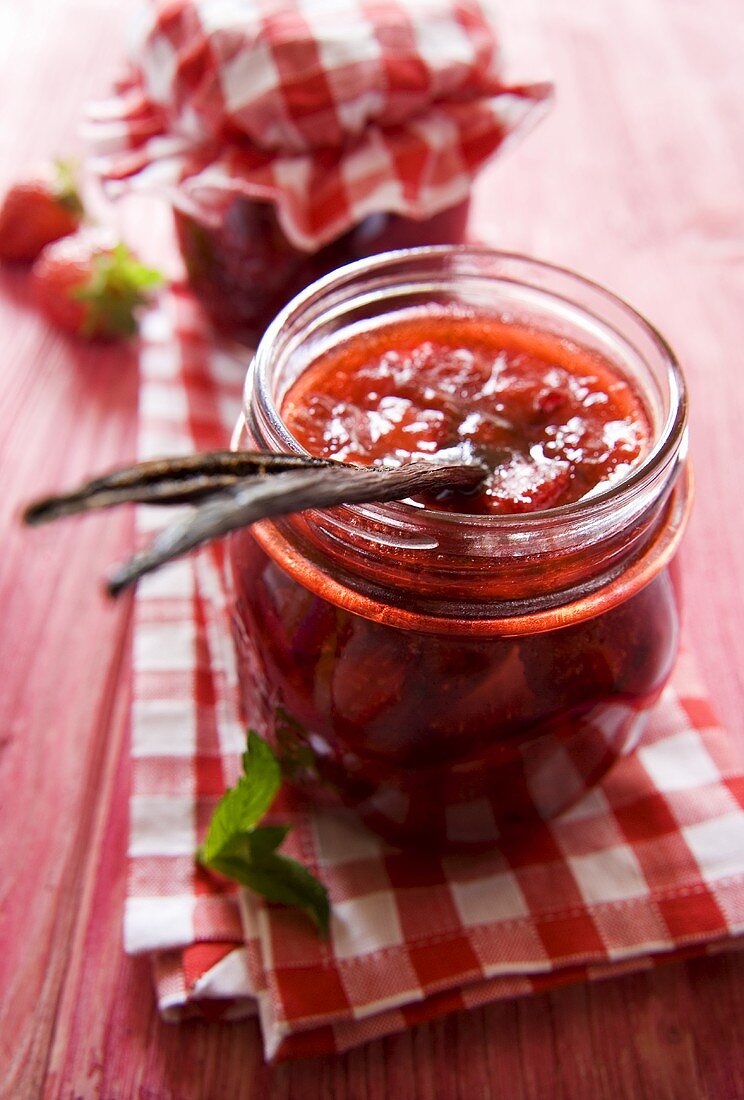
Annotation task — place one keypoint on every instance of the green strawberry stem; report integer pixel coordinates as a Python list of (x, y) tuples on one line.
[(118, 284), (66, 188)]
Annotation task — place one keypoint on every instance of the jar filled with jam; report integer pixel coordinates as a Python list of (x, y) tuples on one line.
[(292, 139), (455, 667), (244, 267)]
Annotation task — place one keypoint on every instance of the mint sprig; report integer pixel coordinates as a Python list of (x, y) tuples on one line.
[(241, 849)]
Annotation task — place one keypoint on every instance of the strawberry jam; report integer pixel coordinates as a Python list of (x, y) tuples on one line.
[(455, 668), (550, 421)]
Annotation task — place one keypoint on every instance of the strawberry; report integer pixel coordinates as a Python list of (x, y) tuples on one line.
[(528, 484), (36, 212), (91, 288)]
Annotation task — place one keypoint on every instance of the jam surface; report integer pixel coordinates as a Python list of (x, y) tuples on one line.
[(550, 420)]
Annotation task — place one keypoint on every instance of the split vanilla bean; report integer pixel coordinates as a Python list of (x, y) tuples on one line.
[(181, 480), (232, 490)]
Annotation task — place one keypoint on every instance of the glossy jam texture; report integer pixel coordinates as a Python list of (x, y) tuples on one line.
[(551, 421)]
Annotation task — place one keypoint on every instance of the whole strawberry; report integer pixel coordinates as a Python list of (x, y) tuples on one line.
[(35, 212), (92, 288)]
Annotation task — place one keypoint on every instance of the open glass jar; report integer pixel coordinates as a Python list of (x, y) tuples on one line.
[(453, 676)]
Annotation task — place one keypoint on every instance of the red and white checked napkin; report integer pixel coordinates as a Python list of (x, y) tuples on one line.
[(330, 110), (648, 866)]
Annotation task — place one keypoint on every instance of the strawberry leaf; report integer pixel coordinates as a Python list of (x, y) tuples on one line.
[(117, 285), (66, 188)]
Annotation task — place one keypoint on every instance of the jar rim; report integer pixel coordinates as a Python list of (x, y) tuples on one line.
[(665, 446)]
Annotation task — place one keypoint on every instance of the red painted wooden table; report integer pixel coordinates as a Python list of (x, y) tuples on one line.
[(636, 179)]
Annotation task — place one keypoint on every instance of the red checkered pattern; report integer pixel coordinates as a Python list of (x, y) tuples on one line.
[(647, 867), (331, 112)]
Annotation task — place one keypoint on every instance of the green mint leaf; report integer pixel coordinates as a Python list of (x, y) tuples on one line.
[(243, 806), (265, 839), (295, 755), (260, 762), (241, 849), (284, 880)]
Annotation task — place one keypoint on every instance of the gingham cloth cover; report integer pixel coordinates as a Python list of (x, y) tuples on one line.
[(648, 866), (332, 111)]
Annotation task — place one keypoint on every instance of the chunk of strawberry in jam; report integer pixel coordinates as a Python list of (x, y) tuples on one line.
[(368, 675), (527, 485), (626, 652)]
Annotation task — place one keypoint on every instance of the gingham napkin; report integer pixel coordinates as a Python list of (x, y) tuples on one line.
[(331, 111), (648, 866)]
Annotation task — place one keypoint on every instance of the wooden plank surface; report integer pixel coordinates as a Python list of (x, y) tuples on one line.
[(635, 179)]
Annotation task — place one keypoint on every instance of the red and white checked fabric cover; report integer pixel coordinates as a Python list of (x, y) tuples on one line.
[(647, 867), (330, 110)]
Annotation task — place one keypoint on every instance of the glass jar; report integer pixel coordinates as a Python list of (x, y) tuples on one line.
[(243, 269), (451, 676)]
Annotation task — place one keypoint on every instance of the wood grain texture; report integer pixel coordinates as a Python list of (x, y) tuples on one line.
[(635, 179)]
